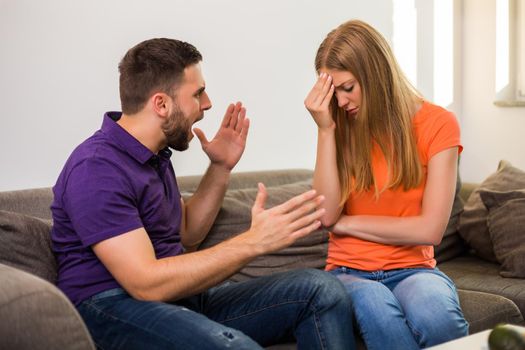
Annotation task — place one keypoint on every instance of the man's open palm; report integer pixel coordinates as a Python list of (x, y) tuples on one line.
[(227, 146)]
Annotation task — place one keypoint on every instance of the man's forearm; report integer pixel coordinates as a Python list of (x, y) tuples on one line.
[(189, 274), (202, 208)]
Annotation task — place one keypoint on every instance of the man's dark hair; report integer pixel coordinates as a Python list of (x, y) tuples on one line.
[(155, 64)]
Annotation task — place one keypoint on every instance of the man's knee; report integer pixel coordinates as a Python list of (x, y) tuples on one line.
[(323, 284)]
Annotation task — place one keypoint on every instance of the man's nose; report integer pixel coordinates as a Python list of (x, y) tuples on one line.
[(206, 102)]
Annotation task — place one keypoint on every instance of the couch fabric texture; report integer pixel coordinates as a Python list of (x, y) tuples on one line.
[(34, 311)]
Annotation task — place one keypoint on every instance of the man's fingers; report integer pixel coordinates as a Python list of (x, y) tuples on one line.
[(260, 199), (227, 115), (240, 121), (200, 135), (295, 201), (305, 231), (245, 128), (235, 115), (306, 220), (306, 208)]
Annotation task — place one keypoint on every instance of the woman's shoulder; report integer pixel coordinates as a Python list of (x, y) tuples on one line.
[(431, 115)]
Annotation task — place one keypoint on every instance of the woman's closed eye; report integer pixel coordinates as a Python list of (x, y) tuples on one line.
[(348, 88)]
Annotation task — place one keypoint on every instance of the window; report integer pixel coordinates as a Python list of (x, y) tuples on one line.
[(510, 53), (423, 40)]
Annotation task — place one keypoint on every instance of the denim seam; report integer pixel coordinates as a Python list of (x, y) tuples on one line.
[(263, 309), (318, 329)]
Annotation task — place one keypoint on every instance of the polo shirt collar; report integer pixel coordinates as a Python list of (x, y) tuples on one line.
[(126, 141)]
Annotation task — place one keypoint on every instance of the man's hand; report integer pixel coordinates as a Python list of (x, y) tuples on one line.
[(226, 148), (282, 225), (318, 101)]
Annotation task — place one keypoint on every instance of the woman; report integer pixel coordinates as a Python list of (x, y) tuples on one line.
[(387, 165)]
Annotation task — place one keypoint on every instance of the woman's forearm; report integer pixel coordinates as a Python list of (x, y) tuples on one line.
[(326, 180)]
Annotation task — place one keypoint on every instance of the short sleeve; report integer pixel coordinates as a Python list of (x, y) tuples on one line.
[(443, 133), (100, 201)]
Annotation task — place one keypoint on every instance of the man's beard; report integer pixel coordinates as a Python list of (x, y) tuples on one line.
[(176, 128)]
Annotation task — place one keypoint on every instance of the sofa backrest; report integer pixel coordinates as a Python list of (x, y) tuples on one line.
[(33, 202), (25, 216), (36, 202)]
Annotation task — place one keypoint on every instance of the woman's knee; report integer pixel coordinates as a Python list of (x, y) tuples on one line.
[(432, 327)]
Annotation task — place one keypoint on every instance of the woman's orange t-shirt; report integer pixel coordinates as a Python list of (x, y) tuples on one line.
[(436, 129)]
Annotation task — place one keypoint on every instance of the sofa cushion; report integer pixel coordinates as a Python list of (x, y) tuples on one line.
[(473, 220), (506, 223), (25, 243), (472, 273), (235, 217)]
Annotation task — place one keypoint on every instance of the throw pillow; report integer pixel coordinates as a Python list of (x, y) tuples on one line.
[(506, 224), (235, 217), (25, 243), (473, 221)]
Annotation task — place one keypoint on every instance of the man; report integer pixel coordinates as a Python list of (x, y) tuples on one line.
[(126, 242)]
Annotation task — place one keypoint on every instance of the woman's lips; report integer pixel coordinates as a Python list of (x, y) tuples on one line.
[(352, 111)]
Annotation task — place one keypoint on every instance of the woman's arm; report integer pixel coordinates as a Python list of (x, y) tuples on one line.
[(326, 180), (424, 229)]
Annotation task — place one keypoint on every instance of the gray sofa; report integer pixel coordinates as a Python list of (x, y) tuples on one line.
[(35, 314)]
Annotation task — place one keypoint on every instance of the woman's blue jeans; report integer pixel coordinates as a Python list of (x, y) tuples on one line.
[(309, 306), (404, 308)]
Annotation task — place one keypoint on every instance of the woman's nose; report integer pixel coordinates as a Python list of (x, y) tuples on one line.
[(342, 101)]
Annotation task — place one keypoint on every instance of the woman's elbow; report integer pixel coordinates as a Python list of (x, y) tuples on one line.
[(328, 221), (434, 237)]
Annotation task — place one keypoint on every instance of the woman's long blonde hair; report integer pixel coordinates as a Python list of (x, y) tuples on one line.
[(388, 103)]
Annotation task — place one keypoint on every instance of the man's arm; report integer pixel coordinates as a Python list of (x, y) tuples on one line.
[(147, 278), (200, 211), (224, 151)]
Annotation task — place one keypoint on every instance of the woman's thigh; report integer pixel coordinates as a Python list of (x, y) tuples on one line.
[(431, 306)]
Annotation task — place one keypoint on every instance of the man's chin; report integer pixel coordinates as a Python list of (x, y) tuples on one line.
[(179, 147)]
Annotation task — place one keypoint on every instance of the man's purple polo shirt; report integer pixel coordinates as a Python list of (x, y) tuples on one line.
[(111, 184)]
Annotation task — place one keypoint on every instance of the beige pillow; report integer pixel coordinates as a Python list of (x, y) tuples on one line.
[(473, 221), (506, 224), (235, 217)]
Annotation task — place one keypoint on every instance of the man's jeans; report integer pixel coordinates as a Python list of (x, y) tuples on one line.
[(404, 308), (308, 305)]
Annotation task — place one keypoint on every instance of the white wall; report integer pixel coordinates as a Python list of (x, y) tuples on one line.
[(58, 69), (490, 133), (58, 75)]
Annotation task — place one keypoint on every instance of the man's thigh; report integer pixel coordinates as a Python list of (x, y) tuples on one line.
[(268, 308), (121, 322)]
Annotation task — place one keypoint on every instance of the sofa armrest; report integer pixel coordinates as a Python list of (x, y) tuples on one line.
[(36, 315), (486, 310)]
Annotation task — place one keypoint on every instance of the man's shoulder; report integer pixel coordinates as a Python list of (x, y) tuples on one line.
[(94, 158), (97, 148)]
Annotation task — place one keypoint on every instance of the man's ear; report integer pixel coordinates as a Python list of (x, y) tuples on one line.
[(161, 104)]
